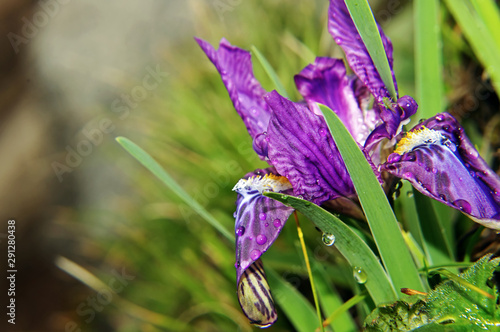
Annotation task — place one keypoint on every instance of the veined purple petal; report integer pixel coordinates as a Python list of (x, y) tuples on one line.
[(235, 67), (259, 220), (441, 162), (325, 81), (302, 149), (393, 119), (345, 34)]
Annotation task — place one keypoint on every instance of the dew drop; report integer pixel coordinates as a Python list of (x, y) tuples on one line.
[(266, 224), (409, 194), (338, 40), (439, 118), (322, 132), (277, 223), (255, 254), (262, 216), (463, 205), (394, 158), (328, 239), (473, 154), (240, 231), (261, 239), (359, 275), (408, 176), (234, 214)]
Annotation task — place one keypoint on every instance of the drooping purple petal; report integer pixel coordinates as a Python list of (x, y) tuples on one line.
[(259, 219), (302, 149), (325, 81), (345, 34), (235, 67), (441, 162)]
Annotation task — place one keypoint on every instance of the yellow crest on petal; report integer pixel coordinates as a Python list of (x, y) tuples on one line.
[(418, 137)]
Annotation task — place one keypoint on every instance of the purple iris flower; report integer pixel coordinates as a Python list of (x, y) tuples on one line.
[(294, 139)]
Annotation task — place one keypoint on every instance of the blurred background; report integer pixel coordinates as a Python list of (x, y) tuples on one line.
[(76, 74)]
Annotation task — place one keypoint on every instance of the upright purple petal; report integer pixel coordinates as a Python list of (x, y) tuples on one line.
[(345, 34), (235, 67), (302, 149), (393, 119), (259, 220), (325, 81), (440, 161)]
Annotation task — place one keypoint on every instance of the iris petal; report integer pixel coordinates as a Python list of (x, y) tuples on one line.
[(449, 169), (325, 81), (345, 34), (302, 149), (235, 67), (259, 220)]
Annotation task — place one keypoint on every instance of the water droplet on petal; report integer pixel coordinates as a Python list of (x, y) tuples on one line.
[(322, 132), (255, 254), (394, 158), (338, 40), (240, 231), (262, 216), (439, 118), (359, 275), (277, 223), (408, 176), (328, 239), (473, 154), (463, 205), (266, 224), (261, 239)]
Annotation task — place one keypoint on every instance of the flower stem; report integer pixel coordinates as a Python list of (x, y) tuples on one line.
[(309, 271)]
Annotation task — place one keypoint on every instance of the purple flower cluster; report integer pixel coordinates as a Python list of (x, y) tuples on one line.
[(435, 156)]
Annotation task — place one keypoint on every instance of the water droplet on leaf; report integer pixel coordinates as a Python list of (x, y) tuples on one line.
[(359, 275), (328, 239)]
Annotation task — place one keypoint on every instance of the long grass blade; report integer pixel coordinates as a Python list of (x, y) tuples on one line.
[(152, 165), (383, 224), (362, 17), (479, 36), (270, 72), (428, 58), (298, 310)]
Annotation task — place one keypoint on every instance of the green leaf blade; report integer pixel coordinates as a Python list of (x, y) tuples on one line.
[(355, 250), (152, 165), (364, 21), (428, 58), (383, 224)]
